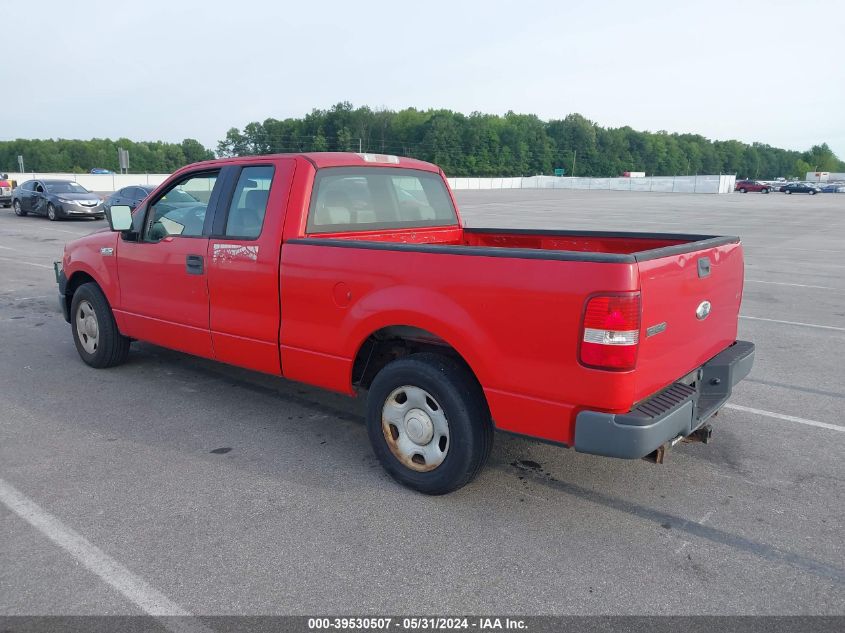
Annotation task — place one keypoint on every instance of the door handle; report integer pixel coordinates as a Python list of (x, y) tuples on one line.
[(194, 264)]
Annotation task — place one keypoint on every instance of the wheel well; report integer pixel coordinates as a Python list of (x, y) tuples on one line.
[(394, 342), (76, 280)]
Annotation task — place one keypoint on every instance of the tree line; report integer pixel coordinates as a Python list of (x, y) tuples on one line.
[(463, 145), (520, 144), (77, 156)]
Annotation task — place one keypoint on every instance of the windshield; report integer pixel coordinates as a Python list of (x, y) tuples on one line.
[(374, 198), (65, 187)]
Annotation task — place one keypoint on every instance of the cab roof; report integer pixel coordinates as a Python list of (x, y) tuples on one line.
[(322, 160)]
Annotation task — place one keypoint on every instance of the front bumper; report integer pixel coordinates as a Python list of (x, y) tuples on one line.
[(61, 279), (78, 210), (675, 412)]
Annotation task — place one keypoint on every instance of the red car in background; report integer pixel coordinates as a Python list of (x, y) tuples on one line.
[(6, 187), (744, 186)]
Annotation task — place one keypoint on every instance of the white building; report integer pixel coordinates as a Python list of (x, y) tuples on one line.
[(824, 176)]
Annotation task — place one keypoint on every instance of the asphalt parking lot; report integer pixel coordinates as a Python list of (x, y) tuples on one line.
[(299, 518)]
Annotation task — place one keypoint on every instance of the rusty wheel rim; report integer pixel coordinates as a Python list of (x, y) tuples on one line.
[(415, 428)]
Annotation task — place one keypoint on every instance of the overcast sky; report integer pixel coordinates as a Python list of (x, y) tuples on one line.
[(770, 71)]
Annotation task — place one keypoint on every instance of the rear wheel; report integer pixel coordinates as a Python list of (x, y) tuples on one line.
[(789, 191), (812, 192), (51, 212), (764, 190), (428, 423), (16, 205), (743, 190), (98, 341)]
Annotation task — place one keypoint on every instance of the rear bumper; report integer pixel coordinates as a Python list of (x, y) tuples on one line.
[(676, 411)]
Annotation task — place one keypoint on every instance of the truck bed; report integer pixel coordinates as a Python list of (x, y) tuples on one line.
[(511, 303), (607, 246)]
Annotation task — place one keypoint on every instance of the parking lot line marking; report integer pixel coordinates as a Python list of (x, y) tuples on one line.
[(133, 588), (18, 261), (815, 325), (794, 248), (783, 283), (788, 418), (45, 228)]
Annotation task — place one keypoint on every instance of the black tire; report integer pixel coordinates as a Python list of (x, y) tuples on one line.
[(812, 192), (112, 348), (789, 191), (470, 429), (51, 213), (16, 205), (743, 190)]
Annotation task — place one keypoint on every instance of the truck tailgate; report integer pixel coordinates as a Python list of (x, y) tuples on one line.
[(674, 339)]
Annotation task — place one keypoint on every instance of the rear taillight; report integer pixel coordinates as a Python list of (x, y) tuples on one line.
[(611, 332)]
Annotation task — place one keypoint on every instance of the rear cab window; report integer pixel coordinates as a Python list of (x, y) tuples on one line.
[(348, 199)]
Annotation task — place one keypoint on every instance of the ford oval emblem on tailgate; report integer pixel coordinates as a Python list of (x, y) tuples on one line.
[(702, 310)]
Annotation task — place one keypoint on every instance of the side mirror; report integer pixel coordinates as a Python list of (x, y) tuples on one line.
[(120, 218)]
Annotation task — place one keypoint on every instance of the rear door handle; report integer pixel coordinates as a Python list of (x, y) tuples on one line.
[(194, 264)]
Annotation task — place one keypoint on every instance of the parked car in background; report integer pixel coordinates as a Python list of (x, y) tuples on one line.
[(6, 187), (801, 187), (101, 170), (129, 196), (834, 187), (56, 199), (744, 186)]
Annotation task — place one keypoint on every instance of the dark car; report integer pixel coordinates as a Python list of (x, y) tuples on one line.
[(56, 199), (129, 196), (801, 187), (834, 187), (744, 186)]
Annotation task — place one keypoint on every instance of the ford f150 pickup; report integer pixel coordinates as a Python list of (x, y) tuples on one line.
[(354, 272)]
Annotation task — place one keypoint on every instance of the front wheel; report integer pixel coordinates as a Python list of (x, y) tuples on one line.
[(764, 190), (812, 192), (428, 423), (98, 341), (51, 213), (16, 205), (743, 190)]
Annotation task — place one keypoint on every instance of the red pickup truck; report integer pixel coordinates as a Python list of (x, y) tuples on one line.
[(354, 272)]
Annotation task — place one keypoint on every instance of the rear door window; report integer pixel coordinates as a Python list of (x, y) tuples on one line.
[(249, 202)]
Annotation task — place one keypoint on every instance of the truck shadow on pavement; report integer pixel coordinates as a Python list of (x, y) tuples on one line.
[(339, 407)]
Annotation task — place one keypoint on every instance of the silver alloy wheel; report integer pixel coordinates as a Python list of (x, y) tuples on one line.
[(87, 328), (17, 206), (415, 428), (51, 212)]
